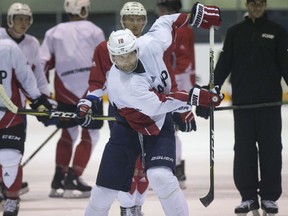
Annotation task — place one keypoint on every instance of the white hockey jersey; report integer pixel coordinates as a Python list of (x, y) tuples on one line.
[(30, 47), (69, 47), (143, 97), (15, 74)]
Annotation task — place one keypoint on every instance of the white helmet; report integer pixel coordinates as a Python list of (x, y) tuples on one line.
[(121, 42), (133, 8), (18, 9), (75, 7)]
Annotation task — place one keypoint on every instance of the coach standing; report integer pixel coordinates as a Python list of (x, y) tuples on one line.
[(255, 53)]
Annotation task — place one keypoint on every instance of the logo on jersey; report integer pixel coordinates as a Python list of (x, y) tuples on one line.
[(153, 78), (268, 36), (3, 75), (164, 76)]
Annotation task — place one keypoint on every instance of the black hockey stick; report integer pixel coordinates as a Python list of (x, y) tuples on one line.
[(54, 113), (40, 147), (210, 196), (251, 106), (11, 107)]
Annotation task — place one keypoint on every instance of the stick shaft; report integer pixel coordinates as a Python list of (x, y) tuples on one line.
[(55, 114), (210, 196), (251, 106)]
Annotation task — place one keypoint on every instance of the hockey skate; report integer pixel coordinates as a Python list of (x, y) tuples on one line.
[(129, 211), (137, 211), (57, 185), (180, 174), (24, 188), (247, 206), (11, 207), (269, 208), (75, 187)]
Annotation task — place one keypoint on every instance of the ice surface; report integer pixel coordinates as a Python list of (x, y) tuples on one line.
[(39, 171)]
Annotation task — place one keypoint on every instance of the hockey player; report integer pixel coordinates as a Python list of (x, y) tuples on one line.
[(19, 20), (68, 48), (138, 86), (15, 70), (133, 16), (181, 61)]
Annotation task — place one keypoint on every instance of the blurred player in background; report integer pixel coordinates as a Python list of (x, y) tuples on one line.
[(180, 60), (15, 70), (19, 20), (68, 48)]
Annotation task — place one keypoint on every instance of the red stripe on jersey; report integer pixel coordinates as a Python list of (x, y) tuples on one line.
[(139, 122)]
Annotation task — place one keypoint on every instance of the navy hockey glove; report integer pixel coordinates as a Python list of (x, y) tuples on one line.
[(85, 108), (41, 104), (185, 122), (205, 16)]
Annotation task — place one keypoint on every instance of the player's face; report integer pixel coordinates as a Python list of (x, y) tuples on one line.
[(256, 9), (134, 23), (21, 24), (126, 62)]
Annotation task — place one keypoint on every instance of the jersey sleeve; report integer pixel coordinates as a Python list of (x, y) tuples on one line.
[(46, 52), (101, 65), (152, 103), (24, 73), (39, 74), (161, 32)]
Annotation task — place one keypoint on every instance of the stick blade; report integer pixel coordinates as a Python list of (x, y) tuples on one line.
[(208, 199), (7, 101)]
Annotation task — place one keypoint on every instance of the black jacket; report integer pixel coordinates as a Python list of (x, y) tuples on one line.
[(256, 55)]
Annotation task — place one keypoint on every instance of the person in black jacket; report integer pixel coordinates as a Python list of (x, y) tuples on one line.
[(255, 53)]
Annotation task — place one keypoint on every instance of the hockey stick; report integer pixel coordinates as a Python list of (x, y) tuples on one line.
[(251, 106), (210, 196), (40, 147), (11, 107), (54, 113)]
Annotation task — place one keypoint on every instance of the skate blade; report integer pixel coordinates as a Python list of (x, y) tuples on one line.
[(75, 194), (254, 213), (268, 214), (23, 191), (54, 193)]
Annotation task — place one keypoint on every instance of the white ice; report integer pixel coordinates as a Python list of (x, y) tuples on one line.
[(39, 171)]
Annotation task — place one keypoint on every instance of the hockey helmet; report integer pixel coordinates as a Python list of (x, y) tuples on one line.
[(18, 9), (121, 42), (75, 6), (133, 8)]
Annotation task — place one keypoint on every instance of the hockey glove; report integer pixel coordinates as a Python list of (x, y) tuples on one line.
[(41, 104), (203, 111), (205, 16), (202, 97), (85, 108), (185, 122)]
